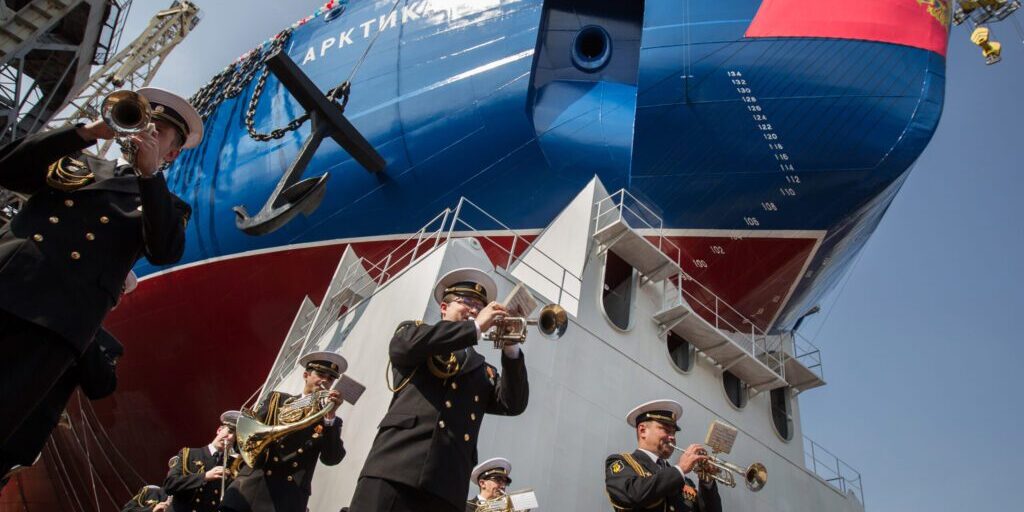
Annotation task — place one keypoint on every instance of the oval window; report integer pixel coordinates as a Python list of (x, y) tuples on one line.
[(619, 289), (781, 417), (680, 351), (735, 389)]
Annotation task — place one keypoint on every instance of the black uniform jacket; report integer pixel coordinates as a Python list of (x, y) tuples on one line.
[(145, 500), (94, 372), (472, 504), (427, 439), (283, 474), (65, 256), (635, 482), (186, 480)]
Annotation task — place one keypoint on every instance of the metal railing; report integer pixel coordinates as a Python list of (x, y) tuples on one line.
[(466, 220), (770, 350), (833, 470), (807, 354), (621, 206)]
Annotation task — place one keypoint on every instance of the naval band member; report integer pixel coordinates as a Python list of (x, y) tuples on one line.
[(65, 255), (195, 475), (281, 480), (95, 372), (426, 444), (149, 499), (645, 480), (493, 477)]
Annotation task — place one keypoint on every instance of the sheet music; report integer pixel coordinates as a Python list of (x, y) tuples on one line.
[(720, 437), (524, 500), (520, 301), (349, 388)]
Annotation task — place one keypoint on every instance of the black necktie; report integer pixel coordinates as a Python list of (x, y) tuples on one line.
[(218, 456), (664, 463)]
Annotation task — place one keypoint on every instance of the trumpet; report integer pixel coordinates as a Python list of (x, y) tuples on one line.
[(713, 468), (552, 322), (127, 113)]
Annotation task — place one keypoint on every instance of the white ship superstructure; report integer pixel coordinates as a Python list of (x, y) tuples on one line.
[(629, 341)]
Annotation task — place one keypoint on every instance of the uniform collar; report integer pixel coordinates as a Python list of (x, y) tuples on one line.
[(654, 457)]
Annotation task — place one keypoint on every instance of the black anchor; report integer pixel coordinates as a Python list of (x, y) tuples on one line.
[(292, 196)]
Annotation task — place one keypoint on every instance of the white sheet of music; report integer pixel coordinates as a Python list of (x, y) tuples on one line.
[(524, 501)]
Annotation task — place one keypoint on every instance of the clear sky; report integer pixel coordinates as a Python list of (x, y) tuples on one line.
[(919, 347)]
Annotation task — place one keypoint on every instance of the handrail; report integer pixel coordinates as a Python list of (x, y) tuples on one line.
[(807, 353), (832, 469)]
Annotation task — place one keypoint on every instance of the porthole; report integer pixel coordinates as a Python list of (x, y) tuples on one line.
[(591, 49), (735, 389), (782, 417), (619, 288), (680, 352)]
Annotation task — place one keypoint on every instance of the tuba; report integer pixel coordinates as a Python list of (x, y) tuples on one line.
[(127, 113), (552, 322), (253, 436)]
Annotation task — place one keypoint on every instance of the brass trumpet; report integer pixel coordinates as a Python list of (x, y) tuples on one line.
[(552, 322), (755, 475), (127, 113)]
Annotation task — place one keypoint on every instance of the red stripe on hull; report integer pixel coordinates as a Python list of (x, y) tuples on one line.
[(918, 23)]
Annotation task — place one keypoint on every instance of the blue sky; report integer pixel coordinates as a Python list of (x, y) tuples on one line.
[(919, 346)]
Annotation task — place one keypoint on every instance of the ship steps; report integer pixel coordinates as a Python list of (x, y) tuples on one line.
[(615, 229), (30, 22)]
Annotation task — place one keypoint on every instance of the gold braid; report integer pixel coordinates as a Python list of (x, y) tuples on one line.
[(62, 176)]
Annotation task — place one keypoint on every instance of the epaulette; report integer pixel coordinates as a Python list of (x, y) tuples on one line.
[(184, 462), (406, 324)]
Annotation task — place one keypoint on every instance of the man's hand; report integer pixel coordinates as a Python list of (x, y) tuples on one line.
[(96, 130), (147, 154), (489, 314), (214, 474), (163, 506), (333, 396), (693, 454)]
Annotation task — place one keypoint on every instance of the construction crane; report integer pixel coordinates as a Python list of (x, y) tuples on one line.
[(47, 51), (980, 13), (134, 66)]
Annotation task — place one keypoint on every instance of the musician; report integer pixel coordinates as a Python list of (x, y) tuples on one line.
[(197, 475), (149, 499), (281, 480), (95, 372), (426, 444), (645, 479), (65, 255), (492, 476)]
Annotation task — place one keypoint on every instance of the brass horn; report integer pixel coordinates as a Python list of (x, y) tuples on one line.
[(714, 468), (127, 113), (254, 436), (552, 322)]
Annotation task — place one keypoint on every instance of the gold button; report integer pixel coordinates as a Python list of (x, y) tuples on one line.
[(54, 220), (269, 472), (104, 219), (276, 459), (454, 385), (139, 208), (37, 237), (476, 398), (290, 478), (213, 502), (90, 237), (295, 464), (216, 491), (466, 437), (440, 423), (472, 416), (75, 255), (448, 404), (300, 450), (197, 500), (69, 203)]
